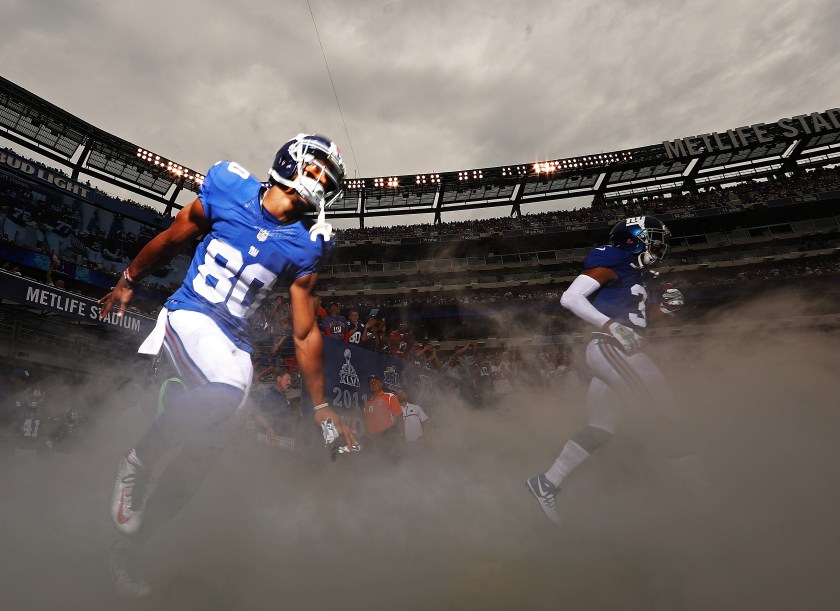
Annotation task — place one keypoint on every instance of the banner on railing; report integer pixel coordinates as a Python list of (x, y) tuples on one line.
[(50, 299), (346, 371), (43, 174)]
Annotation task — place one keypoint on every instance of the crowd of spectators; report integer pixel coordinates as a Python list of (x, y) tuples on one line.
[(63, 174), (106, 244), (745, 193), (823, 266), (529, 295), (272, 317), (477, 375), (750, 192)]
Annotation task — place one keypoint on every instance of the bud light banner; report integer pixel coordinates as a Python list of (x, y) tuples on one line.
[(346, 371)]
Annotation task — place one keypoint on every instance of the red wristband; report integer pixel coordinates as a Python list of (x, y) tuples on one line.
[(127, 277)]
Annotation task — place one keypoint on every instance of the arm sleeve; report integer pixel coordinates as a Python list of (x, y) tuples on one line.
[(575, 299)]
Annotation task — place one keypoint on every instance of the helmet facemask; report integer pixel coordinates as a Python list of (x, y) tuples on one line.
[(646, 237), (305, 151), (657, 246)]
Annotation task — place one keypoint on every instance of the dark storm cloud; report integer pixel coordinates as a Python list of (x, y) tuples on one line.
[(423, 86)]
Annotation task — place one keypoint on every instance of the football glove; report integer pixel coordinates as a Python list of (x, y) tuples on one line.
[(329, 430), (672, 300), (629, 339), (340, 447)]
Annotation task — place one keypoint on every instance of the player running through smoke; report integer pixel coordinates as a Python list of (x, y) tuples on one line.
[(612, 294), (256, 236)]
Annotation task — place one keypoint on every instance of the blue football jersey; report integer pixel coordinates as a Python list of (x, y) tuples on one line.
[(353, 334), (625, 298), (244, 255)]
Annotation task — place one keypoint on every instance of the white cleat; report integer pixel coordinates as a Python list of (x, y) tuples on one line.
[(127, 497), (546, 494)]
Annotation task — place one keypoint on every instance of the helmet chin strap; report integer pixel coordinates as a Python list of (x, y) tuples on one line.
[(313, 192), (321, 227)]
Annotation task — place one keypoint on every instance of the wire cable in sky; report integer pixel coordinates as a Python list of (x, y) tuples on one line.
[(326, 63)]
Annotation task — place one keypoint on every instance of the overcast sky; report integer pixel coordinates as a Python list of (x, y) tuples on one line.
[(424, 86)]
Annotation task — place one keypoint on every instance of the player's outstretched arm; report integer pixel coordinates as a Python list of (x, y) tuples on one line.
[(188, 225), (309, 349)]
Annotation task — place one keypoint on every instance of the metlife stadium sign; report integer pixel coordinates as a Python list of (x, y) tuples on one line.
[(756, 134), (50, 299)]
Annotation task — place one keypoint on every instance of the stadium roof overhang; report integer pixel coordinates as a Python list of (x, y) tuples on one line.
[(684, 164), (40, 126)]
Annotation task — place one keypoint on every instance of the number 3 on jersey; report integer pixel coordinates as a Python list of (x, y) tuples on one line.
[(639, 319), (222, 278)]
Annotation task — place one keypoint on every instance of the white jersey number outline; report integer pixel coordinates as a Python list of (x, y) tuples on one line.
[(222, 278), (639, 319), (30, 427), (238, 170)]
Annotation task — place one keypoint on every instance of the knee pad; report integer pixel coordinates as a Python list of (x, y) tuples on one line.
[(591, 438)]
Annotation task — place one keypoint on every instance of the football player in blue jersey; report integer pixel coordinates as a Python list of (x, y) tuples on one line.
[(256, 237), (612, 295)]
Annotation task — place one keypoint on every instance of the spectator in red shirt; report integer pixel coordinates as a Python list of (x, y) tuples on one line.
[(400, 341)]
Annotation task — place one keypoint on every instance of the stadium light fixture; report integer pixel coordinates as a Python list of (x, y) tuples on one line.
[(465, 175), (586, 161), (519, 170), (391, 181), (175, 169), (423, 179)]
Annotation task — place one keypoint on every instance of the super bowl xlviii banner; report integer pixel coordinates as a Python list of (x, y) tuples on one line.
[(50, 299), (346, 371)]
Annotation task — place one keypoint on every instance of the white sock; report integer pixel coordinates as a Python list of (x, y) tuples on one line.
[(570, 459)]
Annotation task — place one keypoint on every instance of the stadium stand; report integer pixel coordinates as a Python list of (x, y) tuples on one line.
[(759, 213)]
